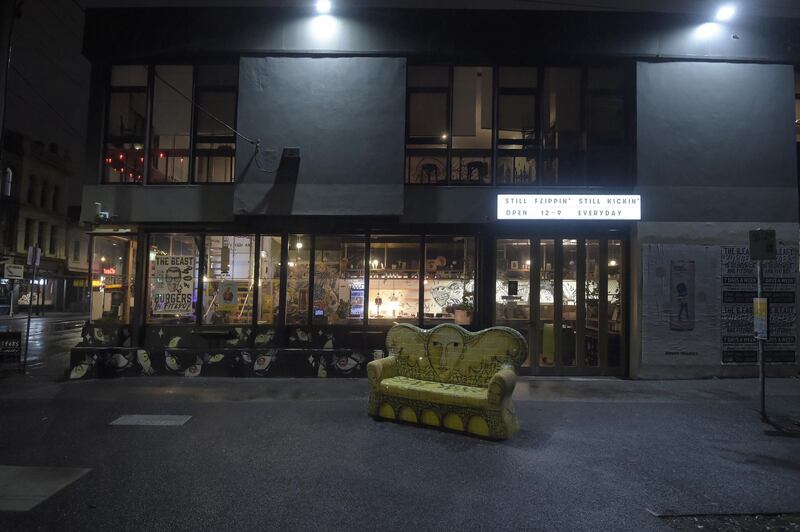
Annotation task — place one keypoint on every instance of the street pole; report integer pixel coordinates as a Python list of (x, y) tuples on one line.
[(35, 255), (761, 362)]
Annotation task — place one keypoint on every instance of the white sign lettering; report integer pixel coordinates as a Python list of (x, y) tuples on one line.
[(569, 207)]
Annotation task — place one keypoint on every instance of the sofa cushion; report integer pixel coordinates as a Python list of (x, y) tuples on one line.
[(434, 392)]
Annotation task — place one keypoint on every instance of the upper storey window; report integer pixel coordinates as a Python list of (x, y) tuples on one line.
[(126, 120), (552, 126), (179, 118)]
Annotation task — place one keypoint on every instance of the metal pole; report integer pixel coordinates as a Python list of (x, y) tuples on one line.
[(30, 310), (761, 363)]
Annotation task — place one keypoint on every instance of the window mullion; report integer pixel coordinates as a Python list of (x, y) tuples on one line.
[(148, 132), (192, 125)]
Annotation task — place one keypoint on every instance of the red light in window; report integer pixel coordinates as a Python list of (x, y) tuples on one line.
[(141, 159), (161, 155), (121, 156), (181, 160)]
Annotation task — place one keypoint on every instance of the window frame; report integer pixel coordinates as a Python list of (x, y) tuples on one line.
[(280, 324), (626, 93), (149, 91)]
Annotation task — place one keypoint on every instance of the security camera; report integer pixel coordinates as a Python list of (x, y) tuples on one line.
[(100, 216)]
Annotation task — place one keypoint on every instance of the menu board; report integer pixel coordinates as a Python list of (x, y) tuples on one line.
[(739, 287)]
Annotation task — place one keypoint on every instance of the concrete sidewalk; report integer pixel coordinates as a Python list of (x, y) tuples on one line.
[(599, 454)]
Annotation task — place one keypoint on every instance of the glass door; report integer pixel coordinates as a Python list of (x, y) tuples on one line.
[(566, 295)]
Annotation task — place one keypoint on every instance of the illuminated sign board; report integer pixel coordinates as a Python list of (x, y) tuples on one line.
[(569, 207)]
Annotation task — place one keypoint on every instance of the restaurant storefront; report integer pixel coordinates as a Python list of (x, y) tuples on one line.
[(289, 292)]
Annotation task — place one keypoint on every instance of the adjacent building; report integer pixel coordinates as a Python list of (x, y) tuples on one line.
[(278, 180), (35, 214)]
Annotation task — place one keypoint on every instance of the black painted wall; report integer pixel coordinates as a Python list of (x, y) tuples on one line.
[(346, 116), (715, 142)]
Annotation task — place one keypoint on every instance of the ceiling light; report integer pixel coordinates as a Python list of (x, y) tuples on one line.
[(725, 12), (323, 6)]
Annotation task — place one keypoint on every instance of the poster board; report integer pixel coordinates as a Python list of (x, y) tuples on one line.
[(739, 287), (173, 289)]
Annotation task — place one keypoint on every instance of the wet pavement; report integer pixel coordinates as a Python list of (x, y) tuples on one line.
[(257, 454), (52, 336)]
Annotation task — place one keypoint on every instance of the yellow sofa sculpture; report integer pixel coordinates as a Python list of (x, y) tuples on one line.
[(449, 377)]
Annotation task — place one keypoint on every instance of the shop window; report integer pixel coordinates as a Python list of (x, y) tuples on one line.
[(591, 301), (126, 118), (517, 141), (298, 267), (172, 115), (229, 279), (112, 296), (173, 261), (339, 263), (547, 298), (449, 283), (394, 264), (214, 143), (563, 136), (269, 280), (615, 317), (512, 284), (428, 124), (569, 299), (472, 126)]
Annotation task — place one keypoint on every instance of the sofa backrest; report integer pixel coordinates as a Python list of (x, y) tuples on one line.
[(451, 354)]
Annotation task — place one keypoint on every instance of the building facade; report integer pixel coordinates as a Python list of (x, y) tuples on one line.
[(35, 214), (276, 182)]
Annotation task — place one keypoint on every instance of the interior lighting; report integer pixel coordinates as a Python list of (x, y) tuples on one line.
[(612, 262), (323, 6), (102, 259), (298, 245), (725, 13)]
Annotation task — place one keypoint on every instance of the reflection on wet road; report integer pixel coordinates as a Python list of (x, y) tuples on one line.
[(50, 342)]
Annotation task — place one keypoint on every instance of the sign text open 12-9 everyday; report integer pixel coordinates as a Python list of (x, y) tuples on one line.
[(569, 207)]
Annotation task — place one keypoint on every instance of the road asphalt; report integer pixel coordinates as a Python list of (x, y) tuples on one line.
[(301, 454)]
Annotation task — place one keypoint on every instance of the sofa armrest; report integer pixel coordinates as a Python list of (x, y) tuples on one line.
[(380, 369), (502, 385)]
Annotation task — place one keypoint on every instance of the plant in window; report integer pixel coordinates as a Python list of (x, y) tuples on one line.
[(463, 310), (343, 309)]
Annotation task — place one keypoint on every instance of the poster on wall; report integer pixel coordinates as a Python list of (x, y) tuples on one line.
[(681, 292), (739, 287), (227, 296), (174, 284)]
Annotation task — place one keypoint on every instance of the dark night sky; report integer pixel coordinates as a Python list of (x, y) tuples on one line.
[(48, 82)]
